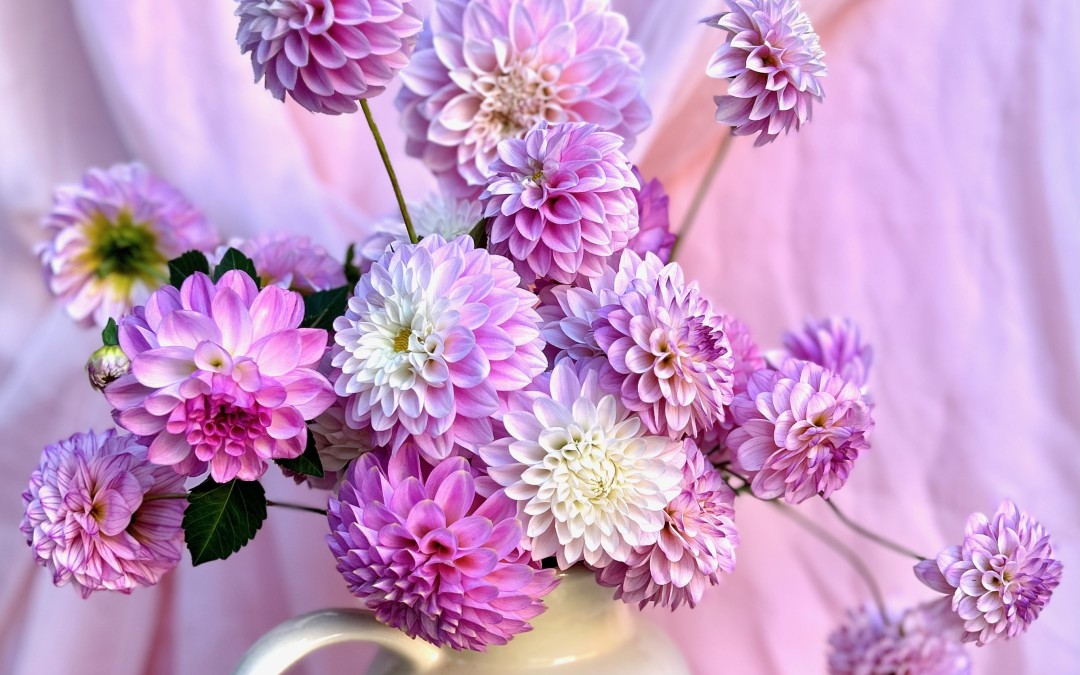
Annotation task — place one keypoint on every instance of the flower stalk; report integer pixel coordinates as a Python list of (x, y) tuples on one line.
[(389, 170)]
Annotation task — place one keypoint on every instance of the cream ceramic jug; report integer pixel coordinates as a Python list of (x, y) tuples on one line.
[(583, 632)]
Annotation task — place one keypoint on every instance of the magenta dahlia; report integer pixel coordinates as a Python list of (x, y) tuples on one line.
[(98, 514), (800, 429), (221, 376), (489, 70), (696, 544), (429, 557), (327, 54), (654, 225), (1000, 577), (774, 61), (434, 332), (291, 261), (112, 236), (833, 344), (915, 642), (561, 201)]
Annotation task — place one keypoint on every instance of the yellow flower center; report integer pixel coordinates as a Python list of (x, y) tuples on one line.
[(124, 250), (401, 342)]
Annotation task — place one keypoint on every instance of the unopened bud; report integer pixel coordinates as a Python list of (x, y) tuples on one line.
[(105, 365)]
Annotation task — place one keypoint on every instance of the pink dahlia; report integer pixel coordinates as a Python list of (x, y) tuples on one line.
[(291, 261), (112, 236), (654, 226), (774, 61), (912, 643), (800, 430), (1000, 577), (434, 332), (97, 514), (490, 70), (662, 338), (327, 54), (561, 201), (221, 375), (833, 344), (429, 557), (697, 543)]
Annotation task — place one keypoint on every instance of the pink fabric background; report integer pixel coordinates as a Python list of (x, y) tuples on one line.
[(935, 197)]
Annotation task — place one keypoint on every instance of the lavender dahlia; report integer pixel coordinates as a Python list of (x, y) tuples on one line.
[(915, 642), (1000, 577), (834, 344), (800, 430), (427, 560), (292, 262), (697, 543), (654, 224), (434, 332), (489, 70), (327, 54), (221, 376), (561, 201), (111, 237), (94, 516), (774, 61)]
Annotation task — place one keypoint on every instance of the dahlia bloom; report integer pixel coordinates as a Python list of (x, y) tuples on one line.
[(697, 543), (800, 430), (221, 376), (107, 364), (441, 214), (774, 61), (662, 338), (912, 643), (833, 344), (490, 70), (654, 225), (337, 442), (327, 54), (434, 332), (590, 481), (290, 261), (561, 201), (567, 314), (1000, 577), (92, 517), (745, 351), (111, 238), (426, 559)]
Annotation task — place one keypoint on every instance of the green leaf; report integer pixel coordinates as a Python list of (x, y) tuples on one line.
[(308, 463), (235, 260), (110, 336), (222, 517), (352, 272), (479, 234), (187, 264), (320, 309)]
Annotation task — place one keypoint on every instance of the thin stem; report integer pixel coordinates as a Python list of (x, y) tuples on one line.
[(165, 495), (702, 190), (841, 549), (298, 507), (389, 171), (872, 536)]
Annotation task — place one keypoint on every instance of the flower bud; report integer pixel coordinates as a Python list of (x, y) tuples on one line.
[(105, 365)]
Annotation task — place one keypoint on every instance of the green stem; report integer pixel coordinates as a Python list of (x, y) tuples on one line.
[(872, 536), (298, 507), (389, 170), (702, 190)]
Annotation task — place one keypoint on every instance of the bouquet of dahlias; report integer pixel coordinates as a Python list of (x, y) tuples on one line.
[(513, 378)]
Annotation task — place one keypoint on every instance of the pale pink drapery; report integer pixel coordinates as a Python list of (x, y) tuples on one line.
[(935, 197)]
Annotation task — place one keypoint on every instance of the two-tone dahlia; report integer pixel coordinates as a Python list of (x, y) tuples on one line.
[(773, 59), (489, 70), (561, 201), (654, 224), (800, 431), (434, 332), (591, 482), (662, 337), (1000, 577), (221, 376), (98, 514), (915, 642), (111, 238), (697, 543), (441, 214), (327, 54), (430, 558), (834, 344), (290, 261)]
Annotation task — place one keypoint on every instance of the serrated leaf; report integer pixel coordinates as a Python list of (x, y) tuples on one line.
[(320, 309), (235, 260), (352, 272), (222, 517), (479, 234), (187, 264), (308, 463), (110, 335)]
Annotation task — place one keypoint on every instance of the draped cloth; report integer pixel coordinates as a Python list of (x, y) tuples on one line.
[(935, 197)]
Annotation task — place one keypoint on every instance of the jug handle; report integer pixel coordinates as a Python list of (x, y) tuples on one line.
[(290, 641)]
